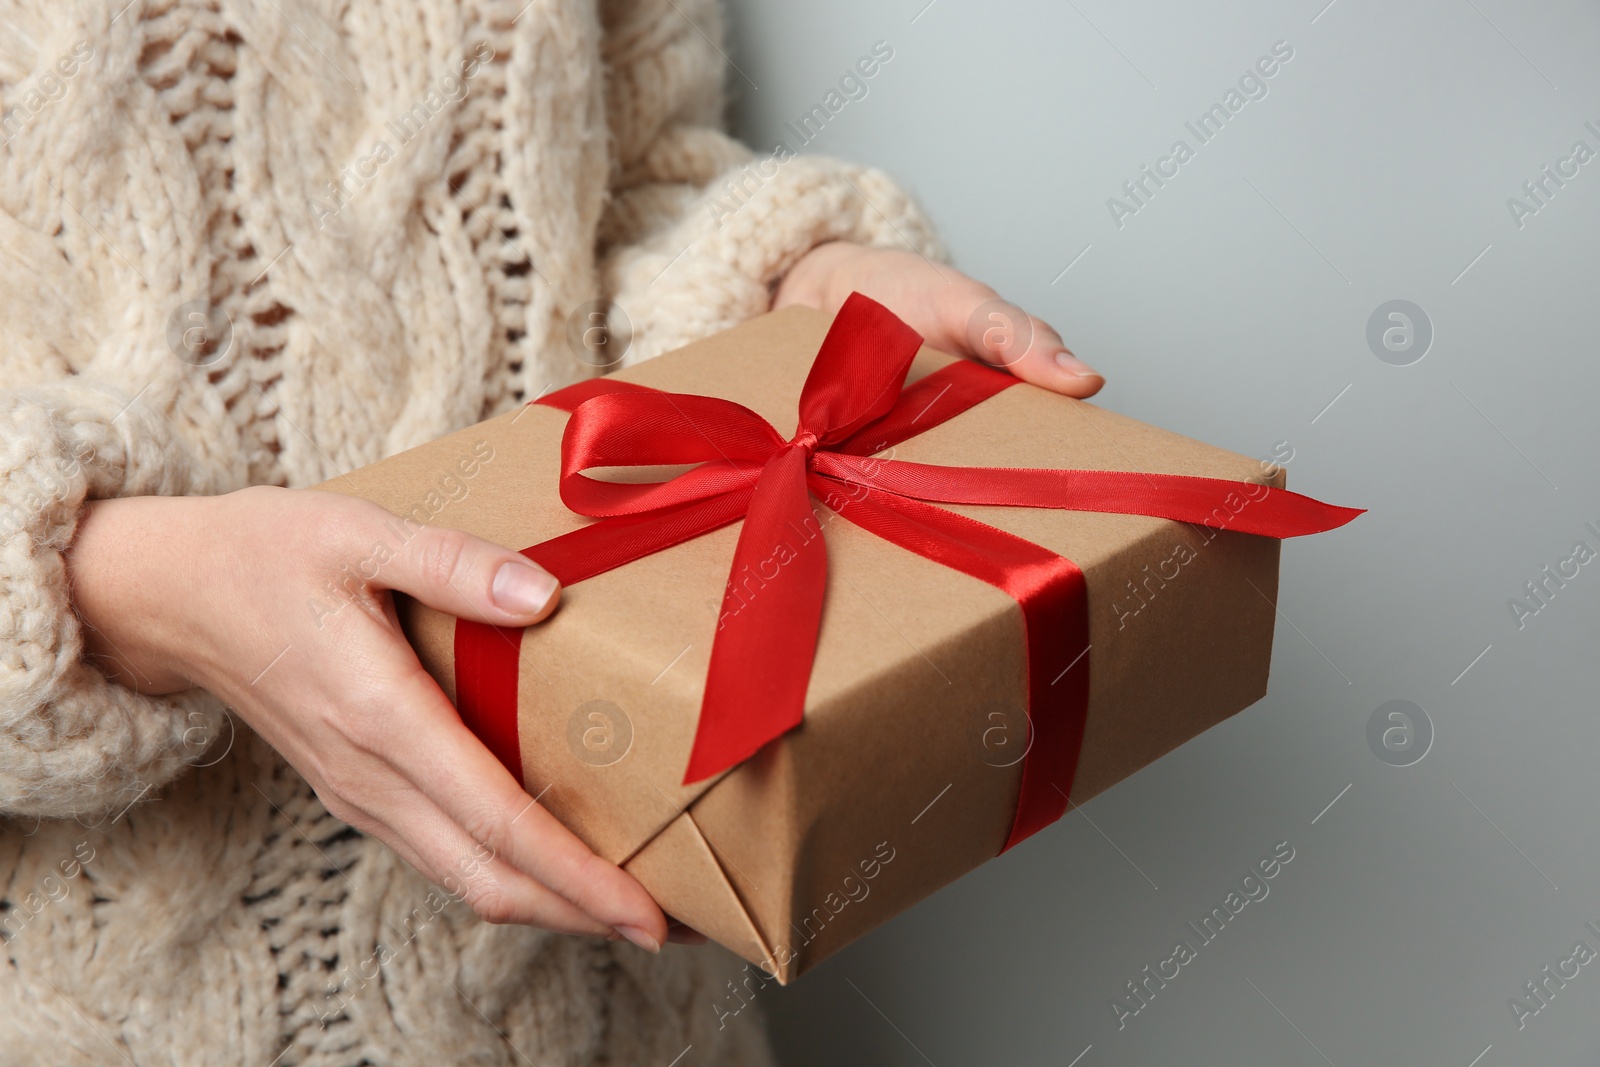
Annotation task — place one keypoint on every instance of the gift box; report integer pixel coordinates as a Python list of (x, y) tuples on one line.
[(844, 617)]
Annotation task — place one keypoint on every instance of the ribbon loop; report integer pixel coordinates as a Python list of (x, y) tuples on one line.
[(639, 429), (859, 370)]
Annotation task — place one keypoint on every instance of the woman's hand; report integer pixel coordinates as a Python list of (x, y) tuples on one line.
[(951, 311), (258, 596)]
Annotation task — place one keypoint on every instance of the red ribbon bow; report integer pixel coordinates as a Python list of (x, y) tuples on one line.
[(852, 405)]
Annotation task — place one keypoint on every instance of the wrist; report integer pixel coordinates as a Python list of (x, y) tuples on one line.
[(815, 277), (119, 570)]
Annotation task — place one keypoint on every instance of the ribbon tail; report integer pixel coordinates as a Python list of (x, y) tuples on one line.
[(609, 543), (1220, 503), (767, 632), (1053, 596)]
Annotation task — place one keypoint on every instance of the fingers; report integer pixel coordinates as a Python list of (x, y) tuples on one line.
[(442, 759), (356, 714), (450, 795), (952, 311), (1000, 333), (422, 835), (471, 578)]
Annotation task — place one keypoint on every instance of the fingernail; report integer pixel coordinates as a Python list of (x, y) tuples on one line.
[(522, 588), (640, 938), (1075, 366)]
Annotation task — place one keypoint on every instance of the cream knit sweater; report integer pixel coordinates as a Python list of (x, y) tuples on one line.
[(393, 207)]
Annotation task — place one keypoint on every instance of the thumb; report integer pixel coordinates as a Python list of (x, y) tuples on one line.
[(471, 578), (1002, 334)]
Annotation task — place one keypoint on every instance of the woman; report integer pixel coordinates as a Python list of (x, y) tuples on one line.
[(246, 247)]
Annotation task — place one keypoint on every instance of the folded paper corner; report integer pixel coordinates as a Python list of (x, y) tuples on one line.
[(680, 869)]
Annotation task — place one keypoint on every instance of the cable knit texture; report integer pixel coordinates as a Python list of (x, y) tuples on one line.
[(253, 242)]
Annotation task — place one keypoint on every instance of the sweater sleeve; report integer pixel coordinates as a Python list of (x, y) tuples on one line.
[(700, 229), (71, 741)]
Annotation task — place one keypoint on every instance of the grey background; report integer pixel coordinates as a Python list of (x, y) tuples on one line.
[(1233, 308)]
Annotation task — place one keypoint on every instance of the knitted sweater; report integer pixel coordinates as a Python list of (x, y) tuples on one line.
[(268, 242)]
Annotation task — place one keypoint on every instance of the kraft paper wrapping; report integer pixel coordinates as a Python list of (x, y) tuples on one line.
[(905, 773)]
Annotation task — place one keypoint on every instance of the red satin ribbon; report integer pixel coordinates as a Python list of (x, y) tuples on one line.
[(854, 404)]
